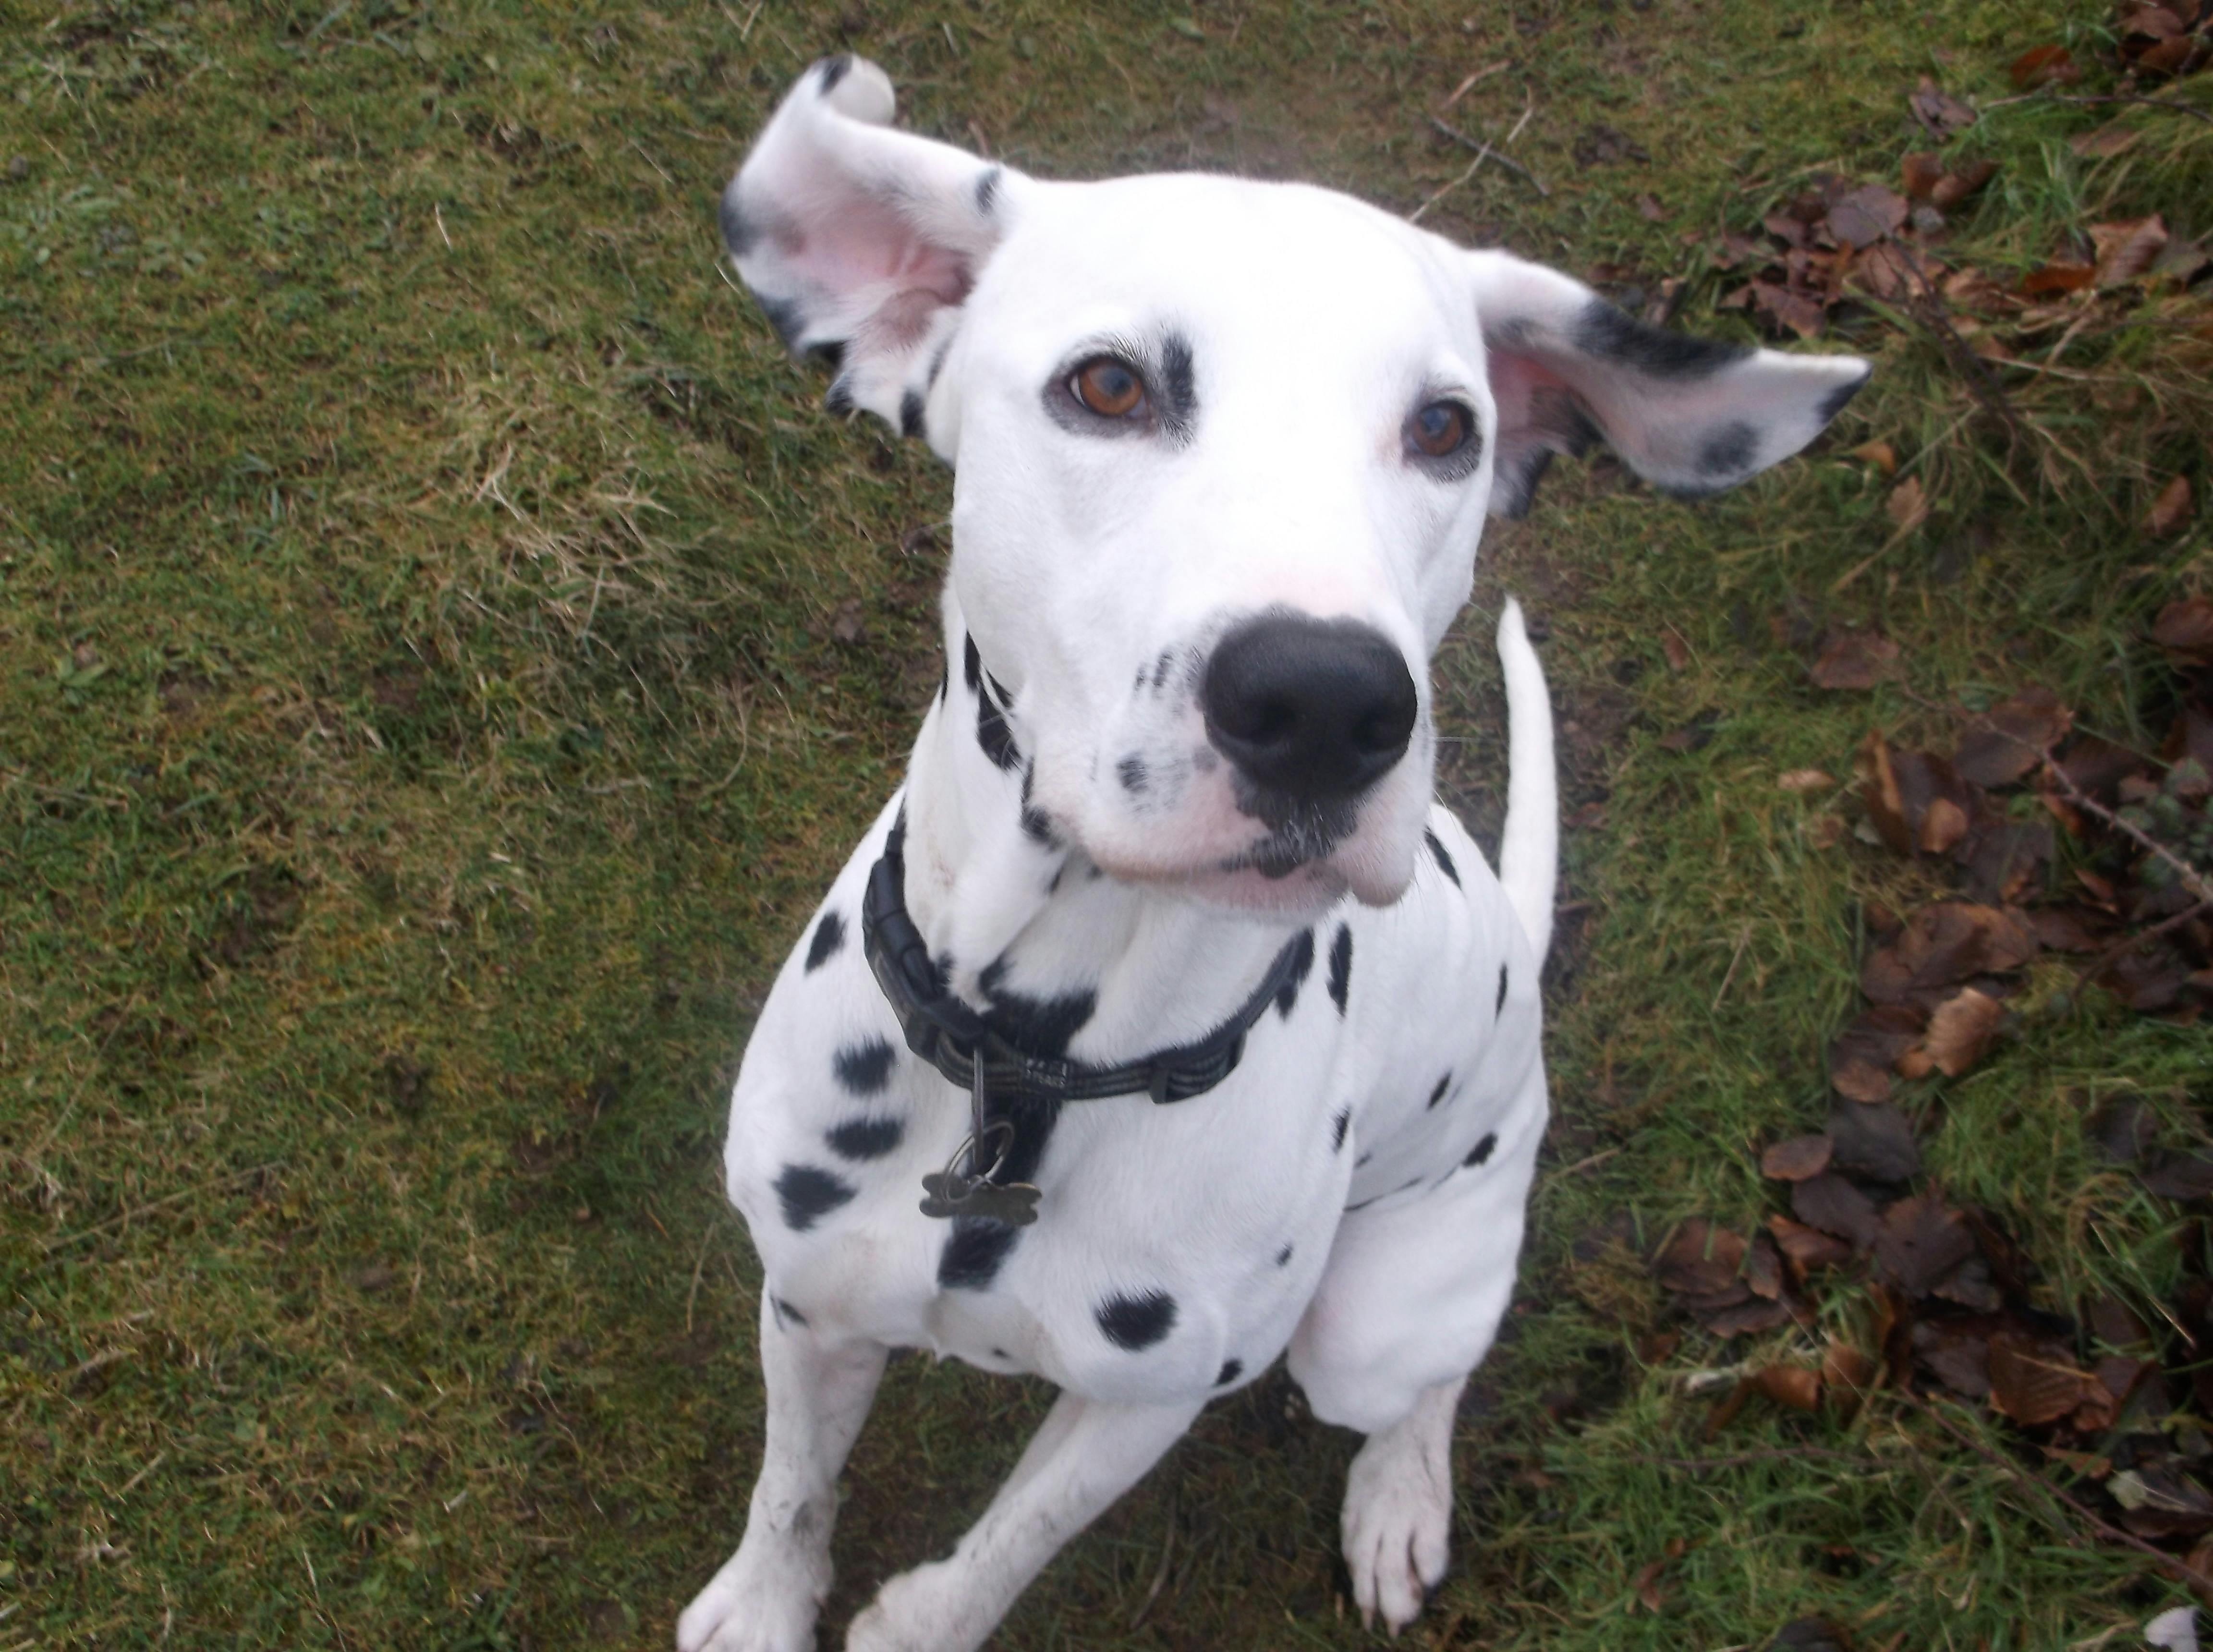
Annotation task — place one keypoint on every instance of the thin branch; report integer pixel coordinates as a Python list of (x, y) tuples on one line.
[(2128, 943), (2185, 874), (1465, 142)]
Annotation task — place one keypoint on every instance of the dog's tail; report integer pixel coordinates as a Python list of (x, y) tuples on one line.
[(1529, 851)]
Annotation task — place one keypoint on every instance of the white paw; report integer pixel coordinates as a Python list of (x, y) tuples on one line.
[(919, 1611), (756, 1605), (1397, 1519)]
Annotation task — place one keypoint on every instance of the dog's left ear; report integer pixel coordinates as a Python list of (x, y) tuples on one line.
[(860, 242), (1691, 416)]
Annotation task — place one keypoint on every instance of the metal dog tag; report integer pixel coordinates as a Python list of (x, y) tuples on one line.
[(954, 1195)]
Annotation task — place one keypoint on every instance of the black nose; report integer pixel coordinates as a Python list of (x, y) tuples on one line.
[(1313, 708)]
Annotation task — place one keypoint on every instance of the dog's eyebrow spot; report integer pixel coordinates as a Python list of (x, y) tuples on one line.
[(1336, 1129), (865, 1138), (808, 1194), (1230, 1371), (1602, 330), (1138, 1320), (1287, 994), (866, 1067), (1481, 1151), (910, 413), (1179, 401), (784, 1310), (987, 191), (1498, 1006), (973, 1252), (1444, 860), (1729, 450), (1161, 671), (1438, 1094), (1340, 967), (829, 936), (1283, 1257), (1130, 772)]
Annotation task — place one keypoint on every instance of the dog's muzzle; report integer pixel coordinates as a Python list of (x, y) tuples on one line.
[(1313, 711)]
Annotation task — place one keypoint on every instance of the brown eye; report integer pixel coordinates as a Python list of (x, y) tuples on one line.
[(1108, 387), (1440, 428)]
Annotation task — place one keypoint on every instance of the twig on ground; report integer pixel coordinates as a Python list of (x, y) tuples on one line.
[(1508, 161), (2188, 875), (1475, 80)]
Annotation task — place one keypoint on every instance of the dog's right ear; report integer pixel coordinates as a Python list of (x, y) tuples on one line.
[(860, 242)]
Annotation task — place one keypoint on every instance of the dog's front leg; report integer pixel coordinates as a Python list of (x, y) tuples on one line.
[(767, 1595), (1086, 1455)]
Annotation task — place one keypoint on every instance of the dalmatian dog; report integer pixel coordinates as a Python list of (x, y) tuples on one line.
[(1162, 1023)]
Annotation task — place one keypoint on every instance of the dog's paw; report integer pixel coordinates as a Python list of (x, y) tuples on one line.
[(1398, 1518), (751, 1606), (925, 1610)]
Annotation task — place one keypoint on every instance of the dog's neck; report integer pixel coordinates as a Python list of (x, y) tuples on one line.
[(1064, 959)]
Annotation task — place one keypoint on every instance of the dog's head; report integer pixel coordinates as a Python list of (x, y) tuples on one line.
[(1223, 452)]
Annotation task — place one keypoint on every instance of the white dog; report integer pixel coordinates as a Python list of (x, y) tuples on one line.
[(1214, 1036)]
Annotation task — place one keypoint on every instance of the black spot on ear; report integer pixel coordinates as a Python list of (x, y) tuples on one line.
[(785, 316), (829, 936), (1481, 1151), (1833, 403), (784, 1310), (974, 1253), (987, 191), (1336, 1129), (1179, 404), (1512, 494), (1301, 964), (1130, 772), (1230, 1371), (972, 662), (1283, 1257), (1438, 1094), (839, 398), (910, 413), (1602, 330), (1729, 451), (834, 70), (807, 1194), (737, 235), (1137, 1321), (865, 1138), (1444, 860), (1498, 1007), (1340, 967), (864, 1068)]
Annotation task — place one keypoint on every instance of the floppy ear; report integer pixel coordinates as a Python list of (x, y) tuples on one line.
[(861, 241), (1691, 416)]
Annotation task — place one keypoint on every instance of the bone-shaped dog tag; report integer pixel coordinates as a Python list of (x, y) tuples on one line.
[(952, 1195)]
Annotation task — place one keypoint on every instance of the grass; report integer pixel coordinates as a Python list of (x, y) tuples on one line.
[(426, 723)]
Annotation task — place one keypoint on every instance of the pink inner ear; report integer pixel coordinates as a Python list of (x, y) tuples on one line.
[(1515, 381), (859, 240)]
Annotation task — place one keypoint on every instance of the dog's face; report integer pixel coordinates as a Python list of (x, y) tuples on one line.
[(1223, 451)]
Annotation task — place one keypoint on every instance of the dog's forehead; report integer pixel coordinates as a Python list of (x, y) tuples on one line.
[(1234, 256)]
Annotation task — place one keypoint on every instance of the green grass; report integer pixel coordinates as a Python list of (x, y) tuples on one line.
[(424, 727)]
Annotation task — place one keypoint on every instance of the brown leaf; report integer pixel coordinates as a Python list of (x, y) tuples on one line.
[(2008, 741), (1921, 1241), (1672, 645), (1907, 506), (1960, 1029), (1881, 454), (1860, 1081), (1700, 1259), (1753, 1318), (1942, 947), (2067, 928), (1646, 1586), (1867, 215), (1940, 113), (2044, 65), (1789, 309), (1856, 658), (2034, 1380), (1797, 1159), (1845, 1370), (1954, 187), (2170, 510), (1763, 1268), (2005, 862), (1919, 172), (1793, 1386), (2127, 247), (1835, 1206), (1942, 827), (1650, 210), (1808, 1248), (2106, 143), (1873, 1140), (2185, 630), (1956, 1352), (1879, 790), (1805, 780), (2057, 278)]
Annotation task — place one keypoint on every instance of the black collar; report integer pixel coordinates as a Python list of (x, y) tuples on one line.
[(951, 1037)]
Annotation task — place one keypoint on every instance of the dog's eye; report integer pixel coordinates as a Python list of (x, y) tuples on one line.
[(1109, 388), (1441, 430)]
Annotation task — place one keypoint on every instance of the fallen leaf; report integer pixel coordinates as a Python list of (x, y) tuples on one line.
[(1960, 1029), (1920, 1241), (2044, 65), (2127, 247), (2106, 143), (1867, 215), (1763, 1268), (1835, 1206), (1808, 1248), (1700, 1259), (1956, 186), (1874, 1139), (2057, 278), (1845, 1370), (1753, 1318), (2181, 1176), (1878, 791), (1881, 454), (1907, 506), (1920, 171), (1942, 826), (1788, 309), (1805, 780), (1956, 1352), (1672, 645), (1650, 210), (1860, 1081), (2008, 741), (1940, 113), (1797, 1159), (1646, 1586), (1856, 658), (1793, 1386), (2034, 1381), (2170, 510), (2185, 630)]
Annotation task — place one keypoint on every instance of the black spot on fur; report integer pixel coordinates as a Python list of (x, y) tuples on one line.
[(1283, 1257), (1833, 403), (1161, 671), (784, 1310), (1444, 860), (974, 1253), (1602, 330), (937, 361), (1729, 451), (865, 1138), (1230, 1371), (1039, 1026), (829, 936), (1481, 1151), (1037, 824), (839, 398), (864, 1068), (1340, 967), (991, 731), (1130, 772), (910, 413), (834, 70), (1287, 994), (1438, 1094), (807, 1194), (737, 235), (785, 316), (1498, 1007), (1338, 1126), (1138, 1321), (987, 191), (1179, 404)]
